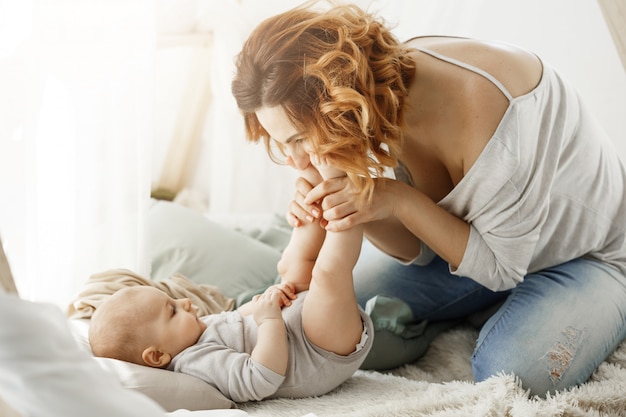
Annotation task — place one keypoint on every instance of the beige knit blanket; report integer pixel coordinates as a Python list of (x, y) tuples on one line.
[(98, 287)]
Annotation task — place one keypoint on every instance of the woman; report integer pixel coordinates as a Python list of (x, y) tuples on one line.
[(507, 196)]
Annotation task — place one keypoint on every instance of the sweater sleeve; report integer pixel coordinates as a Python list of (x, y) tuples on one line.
[(506, 204), (541, 192), (499, 259)]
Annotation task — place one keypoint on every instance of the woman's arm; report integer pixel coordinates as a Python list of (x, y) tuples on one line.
[(398, 218), (446, 234), (386, 233)]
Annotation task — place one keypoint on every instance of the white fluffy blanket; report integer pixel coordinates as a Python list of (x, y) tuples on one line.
[(440, 385)]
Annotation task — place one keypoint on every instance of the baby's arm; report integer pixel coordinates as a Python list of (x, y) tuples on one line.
[(271, 346), (298, 258)]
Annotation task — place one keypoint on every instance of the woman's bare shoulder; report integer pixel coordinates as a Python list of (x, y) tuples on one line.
[(517, 68)]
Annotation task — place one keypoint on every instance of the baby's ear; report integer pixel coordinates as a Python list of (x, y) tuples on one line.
[(155, 358)]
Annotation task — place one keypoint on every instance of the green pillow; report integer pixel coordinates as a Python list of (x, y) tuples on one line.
[(183, 240)]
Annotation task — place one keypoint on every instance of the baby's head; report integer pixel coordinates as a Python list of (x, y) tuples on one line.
[(144, 325)]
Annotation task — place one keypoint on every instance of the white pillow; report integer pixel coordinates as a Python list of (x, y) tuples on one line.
[(45, 374), (7, 411), (171, 390)]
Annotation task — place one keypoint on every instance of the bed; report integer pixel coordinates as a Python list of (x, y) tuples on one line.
[(202, 253)]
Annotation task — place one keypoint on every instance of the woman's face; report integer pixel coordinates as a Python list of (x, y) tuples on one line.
[(294, 144)]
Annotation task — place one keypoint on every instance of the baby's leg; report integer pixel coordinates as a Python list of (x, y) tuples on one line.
[(330, 313), (298, 258)]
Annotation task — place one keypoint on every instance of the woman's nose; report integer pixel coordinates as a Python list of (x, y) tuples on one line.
[(187, 304), (298, 159)]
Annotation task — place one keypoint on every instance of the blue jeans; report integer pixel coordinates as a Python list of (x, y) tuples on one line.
[(552, 330)]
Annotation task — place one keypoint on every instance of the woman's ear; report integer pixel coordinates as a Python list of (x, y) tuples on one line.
[(155, 358)]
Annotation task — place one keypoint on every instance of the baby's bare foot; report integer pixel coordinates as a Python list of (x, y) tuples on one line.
[(311, 175), (326, 170)]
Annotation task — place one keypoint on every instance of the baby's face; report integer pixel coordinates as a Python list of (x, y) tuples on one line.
[(173, 325)]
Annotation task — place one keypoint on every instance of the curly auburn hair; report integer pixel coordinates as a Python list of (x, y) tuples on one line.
[(341, 77)]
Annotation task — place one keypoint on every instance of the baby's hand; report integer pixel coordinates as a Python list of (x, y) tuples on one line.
[(286, 292), (266, 306)]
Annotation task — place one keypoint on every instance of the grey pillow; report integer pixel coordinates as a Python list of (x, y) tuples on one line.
[(185, 241)]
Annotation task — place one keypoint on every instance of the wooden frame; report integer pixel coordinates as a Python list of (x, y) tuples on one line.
[(182, 153), (6, 278), (614, 12)]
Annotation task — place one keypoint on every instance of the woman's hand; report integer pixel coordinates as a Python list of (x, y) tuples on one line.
[(300, 212), (336, 203), (341, 206)]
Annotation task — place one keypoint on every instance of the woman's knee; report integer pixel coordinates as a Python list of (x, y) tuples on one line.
[(555, 328), (533, 375), (541, 370)]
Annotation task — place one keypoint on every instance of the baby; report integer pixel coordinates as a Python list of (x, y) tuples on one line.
[(302, 337)]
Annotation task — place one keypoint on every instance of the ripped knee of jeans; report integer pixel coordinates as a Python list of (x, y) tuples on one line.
[(562, 353)]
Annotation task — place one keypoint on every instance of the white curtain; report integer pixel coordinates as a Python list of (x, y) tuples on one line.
[(75, 140), (236, 176)]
